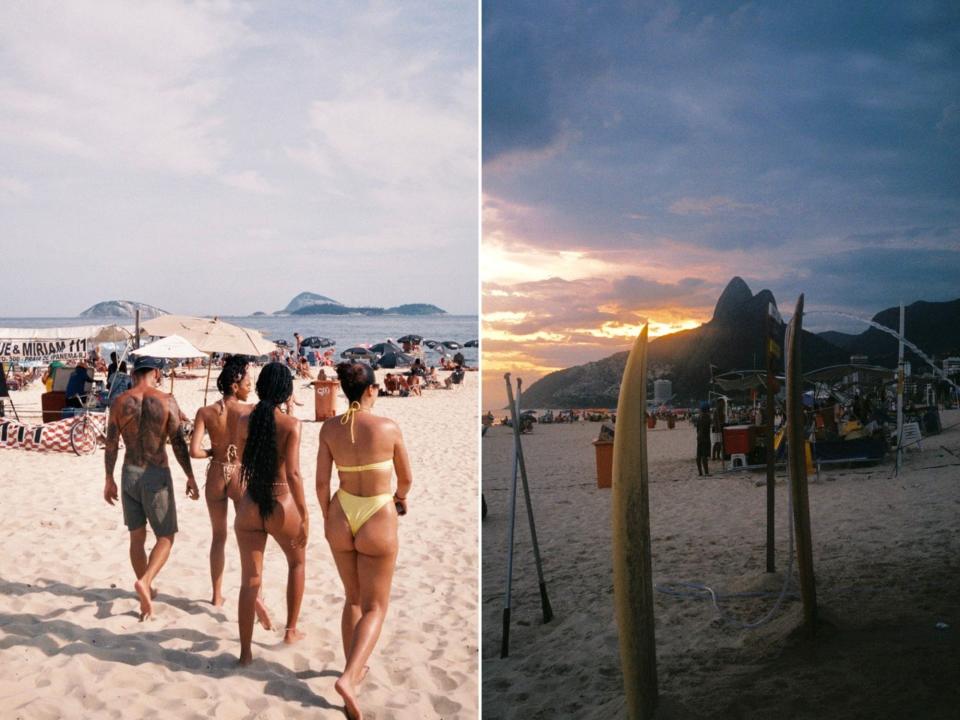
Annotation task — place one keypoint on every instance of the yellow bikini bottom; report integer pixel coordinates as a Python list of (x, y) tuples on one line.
[(359, 509)]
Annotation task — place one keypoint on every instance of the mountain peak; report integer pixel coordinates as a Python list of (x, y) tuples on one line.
[(734, 295), (122, 309), (306, 299)]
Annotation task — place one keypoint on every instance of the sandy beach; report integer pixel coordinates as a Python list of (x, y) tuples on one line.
[(887, 563), (71, 645)]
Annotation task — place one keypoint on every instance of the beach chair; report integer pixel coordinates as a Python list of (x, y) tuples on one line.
[(911, 436)]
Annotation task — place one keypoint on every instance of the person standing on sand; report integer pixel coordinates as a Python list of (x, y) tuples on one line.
[(221, 485), (271, 500), (146, 418), (703, 439), (360, 520)]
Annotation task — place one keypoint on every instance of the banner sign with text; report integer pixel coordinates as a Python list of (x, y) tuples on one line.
[(42, 349)]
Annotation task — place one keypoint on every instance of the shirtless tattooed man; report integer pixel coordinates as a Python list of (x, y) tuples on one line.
[(145, 418)]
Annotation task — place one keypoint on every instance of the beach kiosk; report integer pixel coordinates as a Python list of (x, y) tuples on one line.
[(61, 346)]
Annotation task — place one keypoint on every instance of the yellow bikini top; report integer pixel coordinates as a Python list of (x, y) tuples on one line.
[(348, 417), (381, 465)]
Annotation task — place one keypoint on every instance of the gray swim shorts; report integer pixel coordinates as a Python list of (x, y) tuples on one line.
[(146, 494)]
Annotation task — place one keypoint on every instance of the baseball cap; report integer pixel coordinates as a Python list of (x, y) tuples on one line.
[(148, 363)]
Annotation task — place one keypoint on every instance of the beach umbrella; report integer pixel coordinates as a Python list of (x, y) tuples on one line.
[(317, 342), (386, 347), (281, 343), (357, 353), (211, 335), (172, 346), (111, 334), (451, 344), (472, 343), (430, 343), (412, 339), (395, 359)]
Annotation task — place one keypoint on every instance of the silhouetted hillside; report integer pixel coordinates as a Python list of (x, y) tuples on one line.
[(732, 340)]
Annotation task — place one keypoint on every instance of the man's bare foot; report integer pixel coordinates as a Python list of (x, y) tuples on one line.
[(292, 635), (345, 690), (217, 601), (263, 617), (245, 660), (146, 606)]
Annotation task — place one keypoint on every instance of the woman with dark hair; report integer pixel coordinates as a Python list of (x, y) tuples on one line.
[(271, 501), (235, 386), (360, 520)]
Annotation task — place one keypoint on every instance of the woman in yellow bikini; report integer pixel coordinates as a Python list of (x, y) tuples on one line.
[(360, 520), (235, 385)]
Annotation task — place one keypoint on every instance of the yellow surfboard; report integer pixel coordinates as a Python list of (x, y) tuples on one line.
[(632, 567)]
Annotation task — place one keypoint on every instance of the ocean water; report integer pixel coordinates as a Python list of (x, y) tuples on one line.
[(346, 331)]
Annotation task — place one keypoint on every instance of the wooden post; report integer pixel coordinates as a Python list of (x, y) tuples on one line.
[(632, 564), (544, 598), (796, 438), (136, 338), (511, 525)]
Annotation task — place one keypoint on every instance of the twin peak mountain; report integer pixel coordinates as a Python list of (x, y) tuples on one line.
[(734, 340)]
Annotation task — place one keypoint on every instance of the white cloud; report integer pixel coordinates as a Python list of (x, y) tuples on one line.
[(249, 181), (13, 190), (117, 82)]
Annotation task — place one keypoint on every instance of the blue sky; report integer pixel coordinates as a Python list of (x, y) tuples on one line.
[(240, 152), (638, 155)]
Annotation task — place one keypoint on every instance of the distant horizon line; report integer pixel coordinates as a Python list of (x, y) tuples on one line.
[(234, 315)]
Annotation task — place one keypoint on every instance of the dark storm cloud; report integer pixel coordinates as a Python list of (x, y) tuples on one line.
[(870, 281), (759, 126)]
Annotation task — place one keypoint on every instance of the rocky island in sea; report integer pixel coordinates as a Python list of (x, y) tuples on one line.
[(122, 309), (307, 303)]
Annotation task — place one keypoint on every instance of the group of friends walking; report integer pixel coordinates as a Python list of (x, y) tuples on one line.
[(254, 463)]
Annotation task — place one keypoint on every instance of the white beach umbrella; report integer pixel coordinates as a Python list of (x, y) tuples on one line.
[(172, 346)]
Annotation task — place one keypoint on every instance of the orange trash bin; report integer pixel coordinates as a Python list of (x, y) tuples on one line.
[(604, 451), (325, 398)]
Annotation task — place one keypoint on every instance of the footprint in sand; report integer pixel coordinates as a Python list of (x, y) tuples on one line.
[(441, 678), (444, 706)]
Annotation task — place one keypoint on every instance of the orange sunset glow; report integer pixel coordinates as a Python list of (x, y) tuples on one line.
[(545, 311)]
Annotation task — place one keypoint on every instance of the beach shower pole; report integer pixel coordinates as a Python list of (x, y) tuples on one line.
[(505, 637), (136, 338), (900, 381), (544, 599)]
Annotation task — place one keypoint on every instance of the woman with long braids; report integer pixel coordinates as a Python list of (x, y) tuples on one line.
[(272, 501), (360, 520), (235, 386)]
